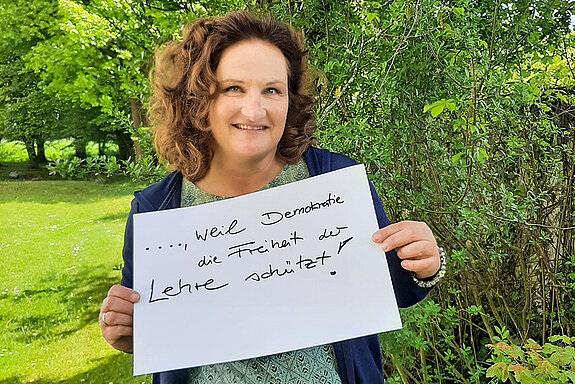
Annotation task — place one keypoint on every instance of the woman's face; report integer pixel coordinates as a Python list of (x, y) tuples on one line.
[(248, 115)]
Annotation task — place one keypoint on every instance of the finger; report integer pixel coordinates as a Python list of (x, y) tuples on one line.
[(114, 319), (120, 299), (417, 250), (113, 334), (385, 232), (407, 235), (409, 228), (421, 267), (124, 293), (116, 304), (404, 233)]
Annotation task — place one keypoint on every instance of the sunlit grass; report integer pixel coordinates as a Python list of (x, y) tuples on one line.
[(60, 251), (15, 151)]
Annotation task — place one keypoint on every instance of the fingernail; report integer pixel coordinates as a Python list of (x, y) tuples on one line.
[(385, 246), (376, 237), (135, 297)]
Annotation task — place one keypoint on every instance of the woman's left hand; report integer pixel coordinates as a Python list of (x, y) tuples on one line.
[(414, 244)]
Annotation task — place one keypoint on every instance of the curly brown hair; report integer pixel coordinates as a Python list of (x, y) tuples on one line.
[(184, 85)]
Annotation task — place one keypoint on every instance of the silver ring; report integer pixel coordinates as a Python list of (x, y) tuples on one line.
[(104, 319)]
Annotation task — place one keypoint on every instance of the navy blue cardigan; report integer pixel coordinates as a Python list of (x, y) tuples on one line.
[(358, 360)]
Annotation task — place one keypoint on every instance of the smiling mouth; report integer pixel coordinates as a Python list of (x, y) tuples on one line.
[(250, 127)]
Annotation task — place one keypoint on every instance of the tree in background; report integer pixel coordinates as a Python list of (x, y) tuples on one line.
[(31, 111), (102, 55), (27, 111)]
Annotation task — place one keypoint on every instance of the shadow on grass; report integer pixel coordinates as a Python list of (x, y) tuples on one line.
[(114, 217), (24, 170), (116, 369), (78, 295)]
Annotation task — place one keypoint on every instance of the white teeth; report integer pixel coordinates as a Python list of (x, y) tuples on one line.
[(249, 127)]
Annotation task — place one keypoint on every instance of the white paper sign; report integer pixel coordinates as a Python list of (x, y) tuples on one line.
[(273, 271)]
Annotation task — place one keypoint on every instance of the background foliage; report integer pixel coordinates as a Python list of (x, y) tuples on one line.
[(462, 111)]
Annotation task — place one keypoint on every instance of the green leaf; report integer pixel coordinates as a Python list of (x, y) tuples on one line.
[(499, 370), (474, 310), (546, 369), (372, 16), (458, 11), (435, 108), (450, 104), (456, 157), (516, 352), (503, 332), (549, 349), (482, 155), (524, 376), (436, 111)]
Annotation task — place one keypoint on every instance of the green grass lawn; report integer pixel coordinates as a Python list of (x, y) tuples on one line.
[(60, 251)]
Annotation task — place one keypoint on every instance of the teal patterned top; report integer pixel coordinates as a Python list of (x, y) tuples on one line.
[(309, 365), (192, 195)]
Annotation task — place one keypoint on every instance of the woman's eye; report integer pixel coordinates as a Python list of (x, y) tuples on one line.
[(272, 91), (232, 89)]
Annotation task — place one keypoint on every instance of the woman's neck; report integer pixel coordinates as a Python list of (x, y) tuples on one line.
[(235, 178)]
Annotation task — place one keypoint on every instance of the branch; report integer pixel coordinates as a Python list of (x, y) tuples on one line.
[(567, 58), (401, 44), (346, 86), (441, 64), (531, 224), (173, 9), (493, 23)]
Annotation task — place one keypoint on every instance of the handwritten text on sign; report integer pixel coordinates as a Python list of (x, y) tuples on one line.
[(272, 271)]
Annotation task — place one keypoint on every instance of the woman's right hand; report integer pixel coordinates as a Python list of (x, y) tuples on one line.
[(116, 317)]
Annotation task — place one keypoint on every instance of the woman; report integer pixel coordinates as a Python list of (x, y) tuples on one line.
[(232, 116)]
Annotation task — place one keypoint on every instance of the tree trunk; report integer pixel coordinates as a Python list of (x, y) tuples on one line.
[(80, 147), (41, 151), (125, 145), (137, 120), (32, 158)]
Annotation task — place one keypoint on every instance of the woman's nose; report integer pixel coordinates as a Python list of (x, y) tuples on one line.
[(252, 107)]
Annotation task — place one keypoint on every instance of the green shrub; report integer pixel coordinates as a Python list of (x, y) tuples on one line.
[(12, 152), (431, 329), (60, 149), (69, 169), (146, 169), (531, 363)]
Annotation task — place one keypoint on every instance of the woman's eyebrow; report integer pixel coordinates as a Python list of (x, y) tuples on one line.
[(231, 81), (271, 82), (275, 82)]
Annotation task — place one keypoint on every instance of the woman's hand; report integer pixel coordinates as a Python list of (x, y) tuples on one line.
[(414, 244), (116, 317)]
